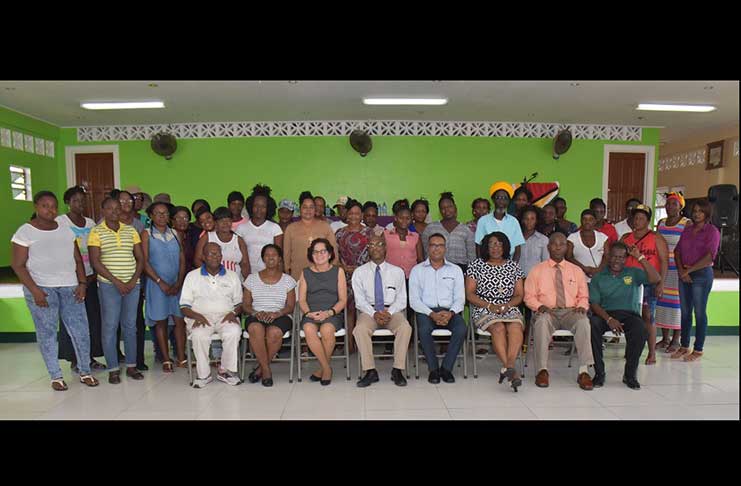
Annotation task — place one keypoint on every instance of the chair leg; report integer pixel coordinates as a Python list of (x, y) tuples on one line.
[(473, 349), (360, 366), (190, 367), (465, 359), (298, 360), (571, 354), (243, 360), (416, 349), (290, 362), (347, 355)]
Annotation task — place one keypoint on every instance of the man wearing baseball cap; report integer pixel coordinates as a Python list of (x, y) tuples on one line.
[(501, 193), (285, 213), (341, 212)]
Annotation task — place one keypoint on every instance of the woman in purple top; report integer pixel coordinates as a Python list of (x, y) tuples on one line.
[(694, 256)]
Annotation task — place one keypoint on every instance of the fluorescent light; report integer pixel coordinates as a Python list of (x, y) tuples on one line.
[(405, 101), (660, 107), (128, 105)]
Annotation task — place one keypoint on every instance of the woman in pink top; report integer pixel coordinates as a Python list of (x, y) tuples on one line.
[(403, 247)]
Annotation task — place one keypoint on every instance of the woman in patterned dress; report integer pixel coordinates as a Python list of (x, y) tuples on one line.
[(494, 287), (668, 311), (352, 242)]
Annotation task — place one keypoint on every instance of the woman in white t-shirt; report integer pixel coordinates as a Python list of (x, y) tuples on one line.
[(49, 265), (80, 226), (269, 300), (588, 248), (259, 229)]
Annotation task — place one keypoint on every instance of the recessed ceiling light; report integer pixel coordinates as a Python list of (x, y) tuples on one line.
[(153, 85), (640, 118), (668, 107), (292, 82), (405, 101), (575, 85), (708, 87), (126, 105)]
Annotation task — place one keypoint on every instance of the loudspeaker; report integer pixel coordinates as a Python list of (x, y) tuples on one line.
[(724, 198)]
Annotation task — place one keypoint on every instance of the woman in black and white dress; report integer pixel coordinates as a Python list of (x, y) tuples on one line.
[(494, 287)]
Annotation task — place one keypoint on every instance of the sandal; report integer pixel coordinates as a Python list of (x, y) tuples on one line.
[(694, 356), (59, 385), (167, 367), (672, 348), (183, 363), (662, 344), (89, 380), (681, 352), (650, 361), (97, 365)]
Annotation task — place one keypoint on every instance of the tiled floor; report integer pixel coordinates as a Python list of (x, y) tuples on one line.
[(708, 389)]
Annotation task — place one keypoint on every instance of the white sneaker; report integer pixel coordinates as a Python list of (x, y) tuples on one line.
[(229, 378), (201, 383)]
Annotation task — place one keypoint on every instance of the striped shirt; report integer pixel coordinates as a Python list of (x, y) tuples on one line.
[(116, 249), (269, 297), (459, 243)]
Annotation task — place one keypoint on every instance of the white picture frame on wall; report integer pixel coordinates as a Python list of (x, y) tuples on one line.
[(50, 148), (28, 146), (18, 141), (40, 149), (5, 138)]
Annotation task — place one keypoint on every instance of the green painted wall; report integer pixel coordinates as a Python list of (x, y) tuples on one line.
[(396, 167), (44, 175)]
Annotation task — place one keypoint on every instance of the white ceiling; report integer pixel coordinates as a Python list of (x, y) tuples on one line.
[(609, 102)]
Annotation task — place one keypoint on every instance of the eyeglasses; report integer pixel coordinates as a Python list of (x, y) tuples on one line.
[(320, 252)]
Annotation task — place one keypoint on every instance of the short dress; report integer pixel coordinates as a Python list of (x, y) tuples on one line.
[(270, 298), (495, 284), (321, 294)]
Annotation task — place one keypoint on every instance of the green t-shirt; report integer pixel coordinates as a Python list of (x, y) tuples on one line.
[(618, 292)]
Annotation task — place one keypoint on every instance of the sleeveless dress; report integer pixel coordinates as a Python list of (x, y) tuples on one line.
[(231, 255), (588, 256), (164, 257), (321, 294), (668, 311)]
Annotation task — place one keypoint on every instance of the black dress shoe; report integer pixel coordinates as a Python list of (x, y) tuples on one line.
[(447, 376), (267, 382), (632, 383), (434, 377), (253, 377), (598, 381), (134, 374), (371, 376), (142, 367), (397, 376), (315, 378)]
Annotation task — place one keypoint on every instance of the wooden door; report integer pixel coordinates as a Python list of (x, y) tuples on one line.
[(95, 173), (624, 181)]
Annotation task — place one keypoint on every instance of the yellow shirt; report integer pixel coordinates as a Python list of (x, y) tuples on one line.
[(116, 249)]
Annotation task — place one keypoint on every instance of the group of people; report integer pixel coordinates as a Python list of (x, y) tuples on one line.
[(198, 272)]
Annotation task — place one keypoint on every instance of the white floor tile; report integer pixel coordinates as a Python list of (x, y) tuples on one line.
[(408, 414), (157, 415), (670, 412), (403, 398), (343, 414), (695, 394), (505, 413), (576, 413), (716, 412)]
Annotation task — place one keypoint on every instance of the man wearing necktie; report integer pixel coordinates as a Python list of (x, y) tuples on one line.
[(380, 298), (556, 291)]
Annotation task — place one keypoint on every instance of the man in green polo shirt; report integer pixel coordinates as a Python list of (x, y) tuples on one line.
[(615, 296)]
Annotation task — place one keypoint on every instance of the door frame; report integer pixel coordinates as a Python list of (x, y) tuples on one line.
[(71, 150), (649, 167)]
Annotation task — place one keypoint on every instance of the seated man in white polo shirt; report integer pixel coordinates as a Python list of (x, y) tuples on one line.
[(210, 300)]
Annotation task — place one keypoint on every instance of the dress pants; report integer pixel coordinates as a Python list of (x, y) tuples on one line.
[(229, 332), (457, 329), (363, 333), (545, 324), (635, 335)]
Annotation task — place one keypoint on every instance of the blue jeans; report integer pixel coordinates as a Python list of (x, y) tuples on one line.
[(649, 300), (62, 303), (115, 308), (457, 328), (695, 295)]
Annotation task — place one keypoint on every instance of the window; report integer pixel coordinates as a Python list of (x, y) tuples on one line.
[(20, 183)]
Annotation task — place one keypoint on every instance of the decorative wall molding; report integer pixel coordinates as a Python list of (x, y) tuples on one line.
[(25, 142), (684, 159), (344, 128)]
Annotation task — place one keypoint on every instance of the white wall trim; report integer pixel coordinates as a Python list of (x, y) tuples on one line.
[(373, 127), (71, 150), (648, 174)]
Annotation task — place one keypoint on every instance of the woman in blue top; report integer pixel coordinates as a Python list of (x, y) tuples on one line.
[(164, 264)]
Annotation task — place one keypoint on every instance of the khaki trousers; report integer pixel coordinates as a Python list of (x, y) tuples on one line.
[(544, 325), (399, 326), (229, 333)]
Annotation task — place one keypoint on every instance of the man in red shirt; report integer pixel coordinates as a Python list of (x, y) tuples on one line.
[(600, 210)]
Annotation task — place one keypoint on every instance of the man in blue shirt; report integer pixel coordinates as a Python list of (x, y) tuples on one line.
[(437, 295), (501, 192)]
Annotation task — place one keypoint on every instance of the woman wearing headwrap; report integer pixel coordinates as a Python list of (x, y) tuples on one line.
[(668, 312)]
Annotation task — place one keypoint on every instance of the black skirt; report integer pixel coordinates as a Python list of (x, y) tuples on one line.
[(285, 323)]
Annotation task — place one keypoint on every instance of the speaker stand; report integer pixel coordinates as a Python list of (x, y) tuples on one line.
[(722, 258)]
